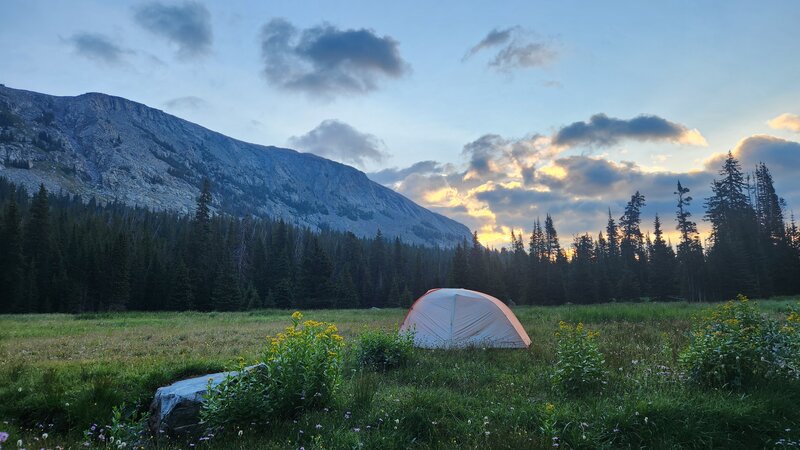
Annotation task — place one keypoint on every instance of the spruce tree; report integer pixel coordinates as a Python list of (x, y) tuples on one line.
[(119, 275), (582, 286), (11, 259), (632, 250), (37, 248), (735, 258), (182, 297), (226, 295), (315, 289), (477, 265), (690, 258), (662, 265)]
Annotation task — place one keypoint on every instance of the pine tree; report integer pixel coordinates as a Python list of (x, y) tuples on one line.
[(690, 258), (632, 254), (735, 259), (459, 275), (226, 295), (612, 255), (200, 262), (535, 283), (182, 297), (119, 275), (779, 260), (37, 248), (582, 286), (314, 284), (477, 265), (554, 262), (346, 290), (11, 259), (662, 265)]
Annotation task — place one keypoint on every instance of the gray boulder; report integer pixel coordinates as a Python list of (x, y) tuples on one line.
[(176, 408)]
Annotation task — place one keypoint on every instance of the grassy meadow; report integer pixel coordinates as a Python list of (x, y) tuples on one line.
[(59, 374)]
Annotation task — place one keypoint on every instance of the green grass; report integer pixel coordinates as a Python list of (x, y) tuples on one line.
[(60, 373)]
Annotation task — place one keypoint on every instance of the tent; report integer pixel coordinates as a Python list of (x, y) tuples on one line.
[(458, 318)]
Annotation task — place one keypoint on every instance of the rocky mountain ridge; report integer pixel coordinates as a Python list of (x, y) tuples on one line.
[(110, 148)]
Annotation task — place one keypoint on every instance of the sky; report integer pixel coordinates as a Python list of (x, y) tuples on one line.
[(493, 114)]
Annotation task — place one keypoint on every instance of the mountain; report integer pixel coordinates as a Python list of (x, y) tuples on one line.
[(116, 149)]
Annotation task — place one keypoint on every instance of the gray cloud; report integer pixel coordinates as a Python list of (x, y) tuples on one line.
[(492, 157), (187, 25), (394, 174), (98, 47), (589, 177), (517, 50), (494, 38), (781, 156), (604, 131), (326, 61), (187, 102), (340, 141)]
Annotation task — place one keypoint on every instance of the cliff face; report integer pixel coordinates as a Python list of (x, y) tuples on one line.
[(115, 149)]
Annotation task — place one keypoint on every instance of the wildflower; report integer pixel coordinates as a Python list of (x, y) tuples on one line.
[(241, 432), (357, 430), (19, 443), (3, 436), (318, 426), (45, 435), (487, 433), (549, 407)]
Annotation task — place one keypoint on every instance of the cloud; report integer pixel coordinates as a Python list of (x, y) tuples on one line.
[(786, 121), (98, 47), (326, 61), (604, 131), (517, 49), (780, 155), (494, 38), (187, 25), (494, 157), (393, 175), (340, 141), (187, 102)]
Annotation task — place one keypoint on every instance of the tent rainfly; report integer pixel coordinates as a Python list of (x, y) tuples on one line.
[(459, 318)]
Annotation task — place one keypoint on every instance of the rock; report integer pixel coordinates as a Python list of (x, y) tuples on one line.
[(176, 408), (113, 149)]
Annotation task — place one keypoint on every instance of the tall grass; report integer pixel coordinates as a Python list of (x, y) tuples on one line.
[(70, 371)]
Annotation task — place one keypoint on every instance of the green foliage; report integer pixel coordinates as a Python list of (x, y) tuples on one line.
[(128, 426), (444, 399), (580, 364), (301, 370), (382, 350), (734, 345)]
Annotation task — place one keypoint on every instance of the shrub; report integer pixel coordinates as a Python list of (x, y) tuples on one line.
[(580, 364), (378, 349), (301, 370), (733, 345)]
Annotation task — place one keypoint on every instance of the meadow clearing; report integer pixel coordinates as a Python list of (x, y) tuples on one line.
[(61, 374)]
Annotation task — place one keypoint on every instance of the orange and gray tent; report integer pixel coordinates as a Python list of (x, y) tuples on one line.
[(459, 318)]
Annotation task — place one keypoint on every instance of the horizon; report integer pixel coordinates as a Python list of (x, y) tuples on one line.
[(493, 124)]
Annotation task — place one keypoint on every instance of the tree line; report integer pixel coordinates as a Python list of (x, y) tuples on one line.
[(60, 253), (751, 250)]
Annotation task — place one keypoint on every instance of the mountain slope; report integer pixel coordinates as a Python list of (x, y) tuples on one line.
[(113, 148)]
